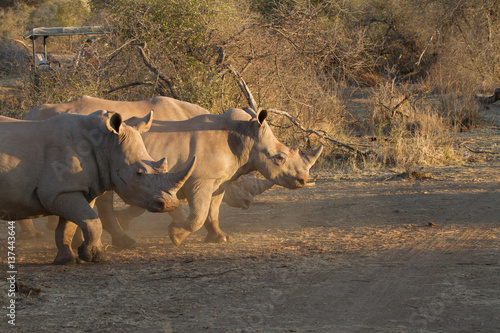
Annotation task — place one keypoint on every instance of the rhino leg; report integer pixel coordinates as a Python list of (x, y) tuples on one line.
[(52, 222), (177, 215), (65, 231), (74, 207), (28, 230), (77, 239), (215, 235), (109, 222), (199, 205), (125, 216)]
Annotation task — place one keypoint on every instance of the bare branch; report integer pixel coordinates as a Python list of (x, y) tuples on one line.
[(116, 52), (244, 88), (168, 82), (318, 133), (394, 110), (22, 43), (425, 49), (278, 74), (253, 105), (137, 83)]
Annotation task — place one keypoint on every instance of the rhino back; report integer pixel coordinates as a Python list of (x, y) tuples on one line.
[(165, 108)]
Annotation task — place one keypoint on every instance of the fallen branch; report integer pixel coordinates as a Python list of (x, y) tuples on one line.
[(490, 99), (477, 151), (196, 276)]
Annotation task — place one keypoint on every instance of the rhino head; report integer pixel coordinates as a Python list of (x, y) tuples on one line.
[(134, 174), (275, 161)]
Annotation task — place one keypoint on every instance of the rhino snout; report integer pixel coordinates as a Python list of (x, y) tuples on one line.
[(301, 182), (161, 205)]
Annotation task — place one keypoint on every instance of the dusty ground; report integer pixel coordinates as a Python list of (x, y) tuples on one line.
[(374, 252)]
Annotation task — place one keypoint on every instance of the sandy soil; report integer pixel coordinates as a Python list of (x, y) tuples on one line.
[(367, 252)]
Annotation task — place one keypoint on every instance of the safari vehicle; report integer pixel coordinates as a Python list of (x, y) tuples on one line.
[(41, 60)]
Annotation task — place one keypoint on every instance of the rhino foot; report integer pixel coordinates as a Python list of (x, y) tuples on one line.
[(91, 253), (99, 256), (66, 259), (217, 238), (28, 234), (124, 242), (176, 234)]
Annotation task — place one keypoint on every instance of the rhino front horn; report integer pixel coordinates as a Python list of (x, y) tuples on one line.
[(179, 178), (313, 156)]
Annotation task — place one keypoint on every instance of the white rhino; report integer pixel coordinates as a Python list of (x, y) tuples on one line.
[(59, 166), (229, 146)]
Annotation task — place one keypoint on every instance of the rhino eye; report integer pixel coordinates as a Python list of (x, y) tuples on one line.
[(139, 173), (279, 159)]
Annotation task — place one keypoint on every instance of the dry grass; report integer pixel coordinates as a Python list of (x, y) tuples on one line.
[(299, 57), (411, 130)]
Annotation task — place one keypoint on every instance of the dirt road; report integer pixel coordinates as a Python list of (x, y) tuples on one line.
[(365, 253)]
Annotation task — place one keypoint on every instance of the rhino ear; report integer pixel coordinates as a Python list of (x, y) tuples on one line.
[(144, 124), (261, 116), (114, 122)]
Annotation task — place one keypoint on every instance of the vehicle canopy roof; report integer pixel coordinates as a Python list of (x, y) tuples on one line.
[(66, 31)]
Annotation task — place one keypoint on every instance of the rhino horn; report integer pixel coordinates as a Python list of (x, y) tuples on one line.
[(179, 178), (311, 158), (161, 165), (144, 124)]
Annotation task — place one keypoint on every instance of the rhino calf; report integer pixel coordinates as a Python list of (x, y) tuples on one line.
[(61, 165)]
